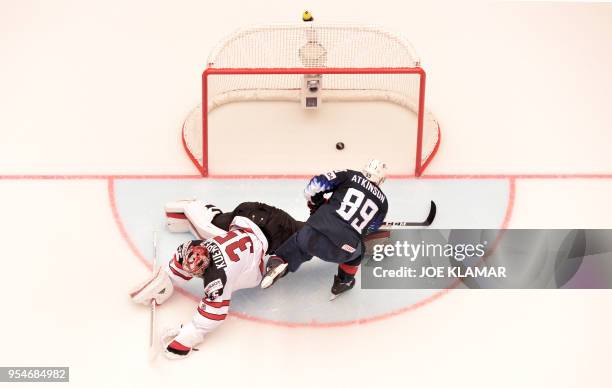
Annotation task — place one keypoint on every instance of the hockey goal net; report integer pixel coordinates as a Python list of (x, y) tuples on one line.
[(314, 65)]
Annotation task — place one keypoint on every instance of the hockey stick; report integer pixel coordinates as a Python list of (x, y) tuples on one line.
[(153, 304), (400, 224)]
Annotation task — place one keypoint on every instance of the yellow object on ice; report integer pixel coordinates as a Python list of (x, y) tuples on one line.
[(307, 16)]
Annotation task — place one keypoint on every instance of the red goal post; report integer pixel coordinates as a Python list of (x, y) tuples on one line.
[(247, 66)]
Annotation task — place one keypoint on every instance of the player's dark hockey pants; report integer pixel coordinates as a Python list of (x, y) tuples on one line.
[(309, 242), (276, 225)]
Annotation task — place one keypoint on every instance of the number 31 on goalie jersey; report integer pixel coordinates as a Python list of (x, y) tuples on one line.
[(357, 212), (236, 248)]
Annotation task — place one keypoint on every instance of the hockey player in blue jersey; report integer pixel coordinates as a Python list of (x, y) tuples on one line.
[(337, 225)]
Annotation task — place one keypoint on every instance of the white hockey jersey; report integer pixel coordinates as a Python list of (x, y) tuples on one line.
[(236, 263)]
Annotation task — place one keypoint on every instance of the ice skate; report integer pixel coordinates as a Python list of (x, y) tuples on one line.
[(340, 287), (276, 269)]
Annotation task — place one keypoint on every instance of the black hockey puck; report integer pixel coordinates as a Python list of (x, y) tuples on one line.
[(339, 146)]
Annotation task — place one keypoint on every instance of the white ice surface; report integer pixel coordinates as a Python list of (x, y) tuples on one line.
[(102, 87)]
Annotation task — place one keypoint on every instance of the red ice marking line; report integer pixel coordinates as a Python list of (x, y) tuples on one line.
[(299, 176), (113, 205), (312, 324), (111, 195), (122, 230), (432, 176), (96, 177), (517, 176)]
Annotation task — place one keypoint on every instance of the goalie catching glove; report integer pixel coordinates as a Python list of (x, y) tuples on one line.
[(158, 287)]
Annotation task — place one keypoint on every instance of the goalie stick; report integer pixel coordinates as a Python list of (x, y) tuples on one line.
[(153, 304), (400, 224)]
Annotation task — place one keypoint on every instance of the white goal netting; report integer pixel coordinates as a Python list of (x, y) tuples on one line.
[(355, 63)]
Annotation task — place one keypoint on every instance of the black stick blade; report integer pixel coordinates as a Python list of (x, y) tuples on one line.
[(432, 214), (428, 221)]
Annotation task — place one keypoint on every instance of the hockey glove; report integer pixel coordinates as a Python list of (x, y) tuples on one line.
[(314, 206), (174, 350)]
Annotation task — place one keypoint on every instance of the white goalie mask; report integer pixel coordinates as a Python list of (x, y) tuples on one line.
[(375, 171)]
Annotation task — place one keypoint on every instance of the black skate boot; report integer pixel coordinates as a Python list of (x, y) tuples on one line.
[(340, 286), (275, 269)]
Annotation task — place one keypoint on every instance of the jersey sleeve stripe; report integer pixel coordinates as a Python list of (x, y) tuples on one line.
[(216, 304), (242, 229), (211, 316)]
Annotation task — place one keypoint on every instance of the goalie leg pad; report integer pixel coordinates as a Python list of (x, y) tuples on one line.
[(176, 221), (200, 216), (193, 216)]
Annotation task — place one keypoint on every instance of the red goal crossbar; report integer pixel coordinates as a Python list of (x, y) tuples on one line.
[(420, 162)]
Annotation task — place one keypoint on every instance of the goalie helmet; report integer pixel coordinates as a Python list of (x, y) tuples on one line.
[(375, 171), (194, 258)]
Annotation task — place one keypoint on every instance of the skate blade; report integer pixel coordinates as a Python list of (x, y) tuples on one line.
[(333, 296), (266, 282), (269, 279)]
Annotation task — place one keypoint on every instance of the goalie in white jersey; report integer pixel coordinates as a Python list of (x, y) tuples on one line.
[(228, 262)]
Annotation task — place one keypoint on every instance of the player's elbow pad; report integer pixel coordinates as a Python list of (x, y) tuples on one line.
[(317, 185)]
